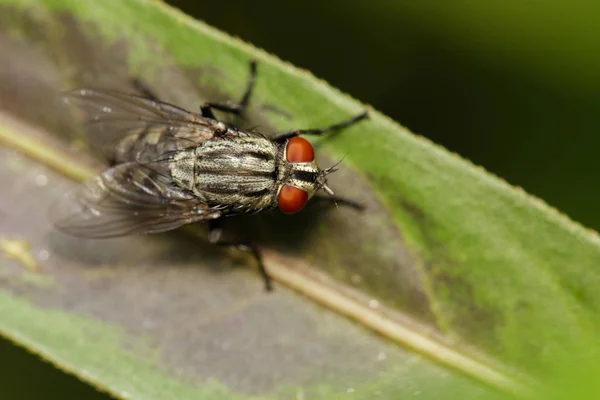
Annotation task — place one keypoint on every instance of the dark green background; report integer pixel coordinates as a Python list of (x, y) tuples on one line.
[(511, 85)]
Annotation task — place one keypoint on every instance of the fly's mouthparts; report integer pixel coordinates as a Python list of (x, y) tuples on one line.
[(327, 189), (323, 178)]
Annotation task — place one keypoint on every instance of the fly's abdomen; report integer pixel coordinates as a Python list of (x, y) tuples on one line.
[(142, 144), (238, 173), (182, 168)]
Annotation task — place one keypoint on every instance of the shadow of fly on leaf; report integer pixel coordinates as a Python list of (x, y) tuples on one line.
[(171, 167)]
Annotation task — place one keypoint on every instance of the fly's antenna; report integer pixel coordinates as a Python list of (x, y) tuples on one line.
[(323, 181), (334, 167)]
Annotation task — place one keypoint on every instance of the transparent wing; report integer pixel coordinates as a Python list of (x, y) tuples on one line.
[(112, 116), (128, 199)]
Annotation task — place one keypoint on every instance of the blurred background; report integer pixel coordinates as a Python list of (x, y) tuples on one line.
[(514, 86)]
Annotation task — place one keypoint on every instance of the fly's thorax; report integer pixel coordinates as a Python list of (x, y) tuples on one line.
[(235, 173), (249, 174)]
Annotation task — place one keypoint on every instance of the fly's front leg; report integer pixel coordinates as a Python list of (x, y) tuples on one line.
[(282, 137), (339, 201), (237, 108), (214, 236)]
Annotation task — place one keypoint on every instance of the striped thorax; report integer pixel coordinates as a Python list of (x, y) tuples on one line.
[(249, 173)]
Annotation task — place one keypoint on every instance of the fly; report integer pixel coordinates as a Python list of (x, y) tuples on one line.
[(171, 167)]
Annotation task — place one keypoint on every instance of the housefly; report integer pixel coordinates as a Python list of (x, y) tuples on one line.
[(171, 167)]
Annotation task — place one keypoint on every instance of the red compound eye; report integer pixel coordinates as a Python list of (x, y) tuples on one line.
[(291, 199), (299, 150)]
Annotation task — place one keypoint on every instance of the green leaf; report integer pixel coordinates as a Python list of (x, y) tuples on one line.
[(449, 262)]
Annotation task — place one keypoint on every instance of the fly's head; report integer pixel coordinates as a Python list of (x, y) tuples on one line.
[(301, 177)]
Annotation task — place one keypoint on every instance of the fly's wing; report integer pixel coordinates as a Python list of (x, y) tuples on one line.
[(128, 199), (112, 116)]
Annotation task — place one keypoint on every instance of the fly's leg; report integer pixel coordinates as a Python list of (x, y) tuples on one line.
[(339, 201), (280, 138), (253, 249), (237, 108), (214, 236)]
